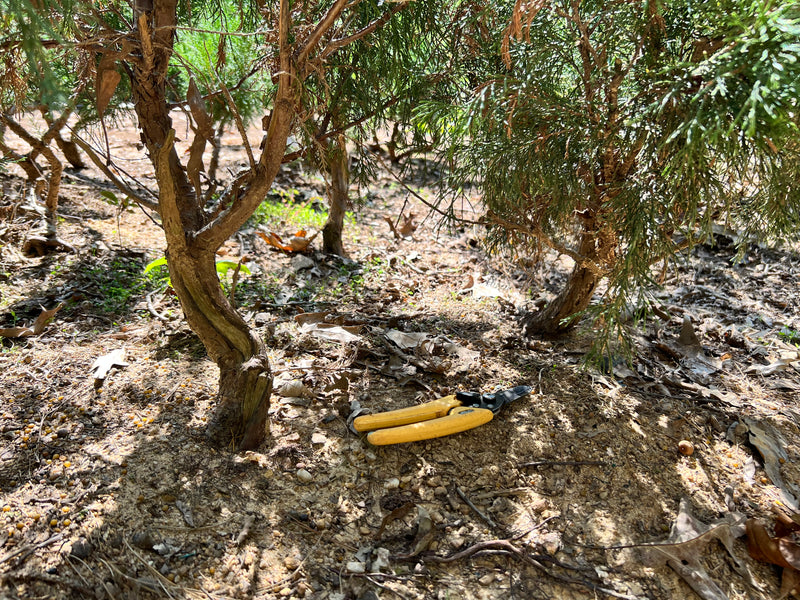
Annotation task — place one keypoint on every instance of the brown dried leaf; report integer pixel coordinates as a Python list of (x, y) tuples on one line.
[(36, 329), (397, 513), (687, 539), (198, 109), (407, 227), (762, 546), (107, 80), (782, 552), (773, 450), (298, 243)]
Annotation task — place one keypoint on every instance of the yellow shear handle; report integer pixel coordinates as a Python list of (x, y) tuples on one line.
[(404, 416), (460, 419)]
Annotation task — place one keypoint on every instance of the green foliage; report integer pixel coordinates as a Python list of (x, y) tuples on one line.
[(156, 270), (285, 209), (216, 59), (620, 132), (118, 283)]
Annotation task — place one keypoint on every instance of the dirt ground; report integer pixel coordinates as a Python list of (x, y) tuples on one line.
[(108, 488)]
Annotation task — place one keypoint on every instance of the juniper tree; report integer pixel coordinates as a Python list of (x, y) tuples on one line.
[(296, 39), (373, 83), (618, 132)]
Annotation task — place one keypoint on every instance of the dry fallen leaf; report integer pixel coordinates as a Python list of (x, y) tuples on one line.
[(105, 363), (37, 328), (773, 451), (404, 229), (780, 551), (687, 539), (297, 243), (335, 333)]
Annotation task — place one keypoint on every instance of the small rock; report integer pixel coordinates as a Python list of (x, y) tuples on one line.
[(291, 563), (392, 484), (551, 542), (63, 432), (81, 549), (318, 438), (144, 540), (456, 542), (300, 262), (370, 456), (285, 592), (304, 476), (355, 566), (487, 579)]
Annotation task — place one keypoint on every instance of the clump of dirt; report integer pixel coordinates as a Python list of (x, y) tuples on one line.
[(109, 489)]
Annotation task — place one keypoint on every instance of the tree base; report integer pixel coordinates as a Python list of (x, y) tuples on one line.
[(36, 246), (239, 421)]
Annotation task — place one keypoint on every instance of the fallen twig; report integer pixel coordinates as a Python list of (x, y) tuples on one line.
[(564, 463), (509, 548), (26, 551), (37, 576), (152, 309), (475, 508), (385, 587)]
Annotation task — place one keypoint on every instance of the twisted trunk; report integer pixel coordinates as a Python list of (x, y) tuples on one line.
[(245, 380), (338, 200), (598, 247)]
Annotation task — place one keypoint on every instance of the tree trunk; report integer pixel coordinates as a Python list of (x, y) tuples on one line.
[(245, 381), (338, 200), (70, 151), (563, 313), (68, 148)]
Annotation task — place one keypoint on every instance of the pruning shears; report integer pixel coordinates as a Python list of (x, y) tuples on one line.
[(445, 416)]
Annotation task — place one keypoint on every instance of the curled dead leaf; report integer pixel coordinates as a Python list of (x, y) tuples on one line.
[(36, 329), (108, 79), (781, 551), (297, 243)]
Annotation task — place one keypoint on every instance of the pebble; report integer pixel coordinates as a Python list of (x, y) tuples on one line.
[(81, 548), (392, 484), (304, 476), (487, 579), (355, 566)]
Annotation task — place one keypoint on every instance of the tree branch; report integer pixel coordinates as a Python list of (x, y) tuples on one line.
[(118, 183), (322, 27), (334, 45)]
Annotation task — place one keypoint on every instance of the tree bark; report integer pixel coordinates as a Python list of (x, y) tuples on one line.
[(338, 200), (68, 148), (564, 312), (70, 151), (194, 235), (245, 380)]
